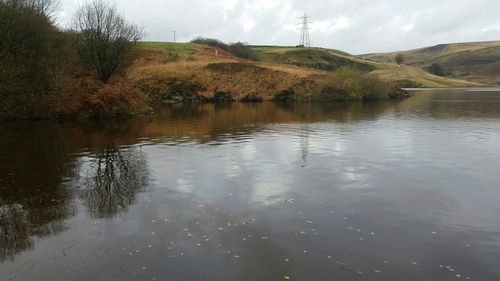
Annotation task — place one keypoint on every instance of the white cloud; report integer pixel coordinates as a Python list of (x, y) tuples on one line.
[(342, 23)]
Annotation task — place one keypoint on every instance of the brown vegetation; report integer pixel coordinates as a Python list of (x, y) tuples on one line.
[(42, 75), (206, 76)]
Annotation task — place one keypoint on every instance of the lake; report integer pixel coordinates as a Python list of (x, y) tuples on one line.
[(405, 190)]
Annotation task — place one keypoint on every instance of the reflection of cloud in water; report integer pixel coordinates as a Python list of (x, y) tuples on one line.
[(248, 152), (356, 177), (185, 185), (232, 169), (268, 193)]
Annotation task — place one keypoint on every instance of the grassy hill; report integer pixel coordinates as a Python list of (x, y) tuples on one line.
[(321, 59), (331, 60), (287, 64), (476, 61)]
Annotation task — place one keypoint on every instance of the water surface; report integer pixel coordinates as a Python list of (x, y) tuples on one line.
[(381, 191)]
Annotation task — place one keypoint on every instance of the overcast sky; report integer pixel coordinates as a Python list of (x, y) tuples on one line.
[(355, 26)]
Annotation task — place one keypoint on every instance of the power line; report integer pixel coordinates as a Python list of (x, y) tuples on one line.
[(175, 33), (305, 39)]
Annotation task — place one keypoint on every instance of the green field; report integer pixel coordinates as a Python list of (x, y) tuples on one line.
[(268, 48), (182, 48)]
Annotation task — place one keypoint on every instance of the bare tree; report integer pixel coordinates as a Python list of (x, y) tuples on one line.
[(21, 21), (104, 37), (29, 41), (47, 7)]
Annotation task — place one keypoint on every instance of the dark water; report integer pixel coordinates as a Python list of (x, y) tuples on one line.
[(387, 191)]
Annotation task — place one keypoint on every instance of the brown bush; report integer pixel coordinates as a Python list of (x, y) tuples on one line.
[(92, 99)]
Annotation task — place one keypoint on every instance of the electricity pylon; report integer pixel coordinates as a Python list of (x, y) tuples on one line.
[(305, 39)]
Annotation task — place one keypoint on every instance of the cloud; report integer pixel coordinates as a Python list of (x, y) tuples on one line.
[(356, 26)]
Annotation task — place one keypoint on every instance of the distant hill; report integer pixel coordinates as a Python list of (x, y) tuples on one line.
[(331, 60), (475, 61)]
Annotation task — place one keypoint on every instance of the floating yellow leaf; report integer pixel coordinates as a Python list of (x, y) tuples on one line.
[(286, 277)]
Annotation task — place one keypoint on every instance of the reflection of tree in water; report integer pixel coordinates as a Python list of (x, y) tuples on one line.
[(114, 178), (34, 200), (18, 230), (15, 232)]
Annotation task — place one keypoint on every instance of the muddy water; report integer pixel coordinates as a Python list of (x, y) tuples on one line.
[(383, 191)]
